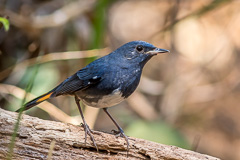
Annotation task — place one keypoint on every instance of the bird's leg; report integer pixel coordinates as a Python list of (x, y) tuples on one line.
[(86, 127), (120, 130)]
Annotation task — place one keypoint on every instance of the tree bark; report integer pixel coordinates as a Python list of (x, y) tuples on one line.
[(35, 137)]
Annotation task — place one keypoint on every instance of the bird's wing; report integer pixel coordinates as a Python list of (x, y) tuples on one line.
[(82, 79)]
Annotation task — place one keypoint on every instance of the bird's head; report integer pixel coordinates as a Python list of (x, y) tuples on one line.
[(138, 52)]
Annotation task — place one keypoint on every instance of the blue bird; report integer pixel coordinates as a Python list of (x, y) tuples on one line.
[(105, 82)]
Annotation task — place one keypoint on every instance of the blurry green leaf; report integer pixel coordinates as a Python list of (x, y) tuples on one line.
[(5, 23), (99, 25), (157, 132)]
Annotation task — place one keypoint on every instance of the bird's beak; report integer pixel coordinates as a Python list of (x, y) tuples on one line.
[(157, 51)]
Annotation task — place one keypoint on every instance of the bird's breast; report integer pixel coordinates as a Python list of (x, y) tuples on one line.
[(103, 101)]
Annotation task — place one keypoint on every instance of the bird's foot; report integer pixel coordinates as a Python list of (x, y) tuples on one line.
[(89, 132), (120, 133)]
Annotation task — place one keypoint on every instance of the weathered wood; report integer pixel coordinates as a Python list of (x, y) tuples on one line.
[(35, 136)]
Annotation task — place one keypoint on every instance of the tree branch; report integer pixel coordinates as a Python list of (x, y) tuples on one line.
[(40, 139)]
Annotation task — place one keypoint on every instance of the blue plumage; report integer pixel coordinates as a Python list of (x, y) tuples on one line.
[(106, 81)]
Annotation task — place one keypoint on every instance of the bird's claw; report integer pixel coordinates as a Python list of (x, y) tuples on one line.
[(120, 133), (89, 132)]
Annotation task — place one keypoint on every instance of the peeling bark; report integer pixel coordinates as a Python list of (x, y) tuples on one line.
[(35, 136)]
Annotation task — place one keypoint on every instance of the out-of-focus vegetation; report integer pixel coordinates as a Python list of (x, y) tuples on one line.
[(5, 23), (188, 98)]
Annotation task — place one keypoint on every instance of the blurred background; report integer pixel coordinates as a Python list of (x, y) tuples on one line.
[(188, 98)]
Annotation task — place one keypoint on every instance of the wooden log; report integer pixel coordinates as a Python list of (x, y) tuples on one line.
[(35, 136)]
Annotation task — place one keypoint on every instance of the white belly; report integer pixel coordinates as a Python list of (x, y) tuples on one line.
[(106, 101)]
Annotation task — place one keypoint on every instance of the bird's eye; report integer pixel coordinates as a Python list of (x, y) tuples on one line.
[(139, 48)]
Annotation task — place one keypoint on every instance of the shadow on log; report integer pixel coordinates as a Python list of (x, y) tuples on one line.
[(35, 136)]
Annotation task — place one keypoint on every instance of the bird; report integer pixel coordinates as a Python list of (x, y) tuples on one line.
[(105, 82)]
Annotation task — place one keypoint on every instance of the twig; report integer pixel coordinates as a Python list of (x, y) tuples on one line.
[(53, 57), (46, 106)]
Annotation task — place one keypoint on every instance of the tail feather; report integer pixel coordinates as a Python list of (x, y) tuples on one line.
[(36, 101)]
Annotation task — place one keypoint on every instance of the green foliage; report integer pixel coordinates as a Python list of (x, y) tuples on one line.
[(99, 23), (157, 132), (5, 23), (16, 127)]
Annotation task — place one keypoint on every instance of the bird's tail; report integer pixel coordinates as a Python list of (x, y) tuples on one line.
[(36, 101)]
